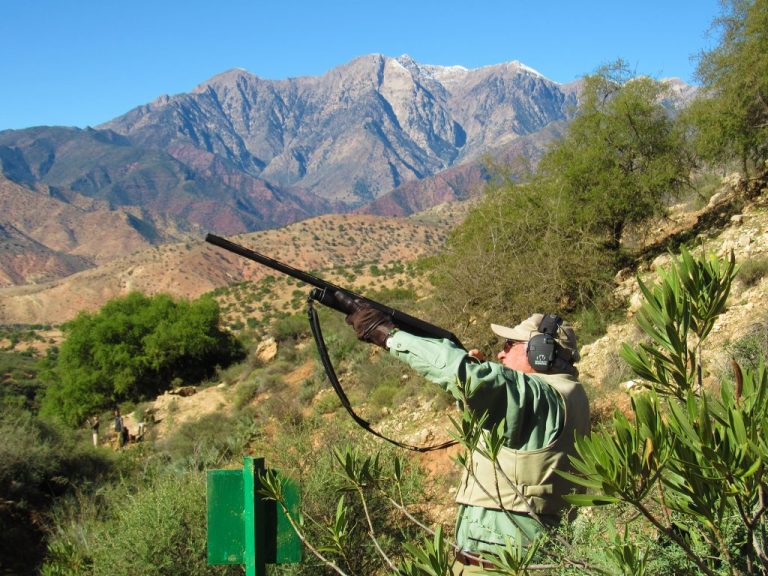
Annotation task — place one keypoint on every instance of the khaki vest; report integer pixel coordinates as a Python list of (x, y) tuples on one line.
[(532, 472)]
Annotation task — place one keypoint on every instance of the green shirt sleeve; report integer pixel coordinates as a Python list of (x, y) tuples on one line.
[(531, 408)]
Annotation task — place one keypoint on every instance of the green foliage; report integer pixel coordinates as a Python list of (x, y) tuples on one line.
[(683, 306), (622, 156), (430, 558), (592, 321), (132, 349), (553, 243), (290, 328), (691, 463), (516, 253), (752, 347), (753, 270), (157, 530), (339, 528), (732, 119), (39, 462), (210, 441), (20, 384)]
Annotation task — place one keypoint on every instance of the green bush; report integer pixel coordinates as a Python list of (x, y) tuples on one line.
[(290, 328), (246, 392), (158, 530), (383, 394), (752, 347), (753, 270), (517, 253), (132, 349), (21, 386), (690, 461), (210, 441), (322, 484), (39, 462)]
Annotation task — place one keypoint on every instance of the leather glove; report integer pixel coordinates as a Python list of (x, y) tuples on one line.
[(371, 325)]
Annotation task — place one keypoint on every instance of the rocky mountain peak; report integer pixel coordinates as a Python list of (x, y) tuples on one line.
[(241, 153)]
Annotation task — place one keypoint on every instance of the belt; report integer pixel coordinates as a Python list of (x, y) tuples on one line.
[(473, 560)]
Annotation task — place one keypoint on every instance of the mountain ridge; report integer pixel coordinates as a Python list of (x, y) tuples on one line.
[(238, 154)]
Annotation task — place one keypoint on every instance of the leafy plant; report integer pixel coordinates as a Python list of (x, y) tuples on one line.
[(677, 315), (691, 463), (132, 349)]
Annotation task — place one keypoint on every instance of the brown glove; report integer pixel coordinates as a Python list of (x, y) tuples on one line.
[(371, 325)]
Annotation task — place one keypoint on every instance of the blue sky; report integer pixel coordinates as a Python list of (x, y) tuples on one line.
[(83, 62)]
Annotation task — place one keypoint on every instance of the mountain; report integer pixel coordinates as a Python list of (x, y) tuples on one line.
[(269, 152), (238, 154), (466, 180), (358, 131)]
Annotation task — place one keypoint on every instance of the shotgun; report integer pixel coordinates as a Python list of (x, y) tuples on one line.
[(336, 297)]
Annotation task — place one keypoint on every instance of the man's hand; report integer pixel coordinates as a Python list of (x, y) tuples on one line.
[(477, 354), (371, 325)]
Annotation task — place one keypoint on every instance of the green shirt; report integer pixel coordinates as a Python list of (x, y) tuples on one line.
[(531, 408)]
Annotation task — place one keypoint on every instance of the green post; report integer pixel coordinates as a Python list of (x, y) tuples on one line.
[(244, 528), (253, 508)]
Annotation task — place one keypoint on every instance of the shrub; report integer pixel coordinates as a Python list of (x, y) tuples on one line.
[(157, 531), (132, 349), (39, 462), (210, 441), (752, 347), (753, 270), (289, 328), (383, 394)]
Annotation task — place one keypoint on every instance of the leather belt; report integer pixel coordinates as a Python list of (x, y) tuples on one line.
[(464, 558)]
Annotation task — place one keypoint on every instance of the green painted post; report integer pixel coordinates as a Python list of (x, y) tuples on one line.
[(253, 508), (244, 528)]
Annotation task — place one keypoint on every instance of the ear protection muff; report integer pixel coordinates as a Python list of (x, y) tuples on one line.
[(543, 348)]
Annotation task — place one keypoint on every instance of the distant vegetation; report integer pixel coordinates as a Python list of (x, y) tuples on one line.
[(688, 470), (250, 309), (132, 350)]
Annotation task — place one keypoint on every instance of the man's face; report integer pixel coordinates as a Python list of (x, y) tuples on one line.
[(513, 355)]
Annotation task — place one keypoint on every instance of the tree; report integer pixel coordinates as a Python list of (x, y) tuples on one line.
[(623, 156), (731, 120), (554, 242), (132, 349), (517, 252)]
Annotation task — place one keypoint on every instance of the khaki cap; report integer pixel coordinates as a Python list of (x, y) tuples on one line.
[(529, 327)]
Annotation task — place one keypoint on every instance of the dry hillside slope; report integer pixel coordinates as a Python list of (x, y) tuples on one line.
[(192, 269)]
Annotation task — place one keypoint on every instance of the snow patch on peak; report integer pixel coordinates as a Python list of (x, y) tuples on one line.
[(431, 71), (527, 69)]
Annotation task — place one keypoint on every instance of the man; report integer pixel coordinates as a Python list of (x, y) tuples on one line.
[(119, 426), (94, 422), (542, 408)]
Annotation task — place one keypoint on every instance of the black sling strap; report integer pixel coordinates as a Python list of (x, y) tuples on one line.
[(314, 323)]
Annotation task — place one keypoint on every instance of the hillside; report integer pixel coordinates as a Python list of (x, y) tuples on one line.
[(716, 228), (424, 418), (194, 268)]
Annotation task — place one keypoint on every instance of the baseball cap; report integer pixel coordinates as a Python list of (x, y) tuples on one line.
[(566, 336)]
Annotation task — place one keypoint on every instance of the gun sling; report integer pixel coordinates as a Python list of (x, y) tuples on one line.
[(322, 349), (339, 299)]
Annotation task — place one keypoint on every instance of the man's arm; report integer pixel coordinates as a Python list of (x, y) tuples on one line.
[(530, 407)]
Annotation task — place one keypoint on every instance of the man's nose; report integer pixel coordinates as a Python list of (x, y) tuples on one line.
[(501, 355)]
